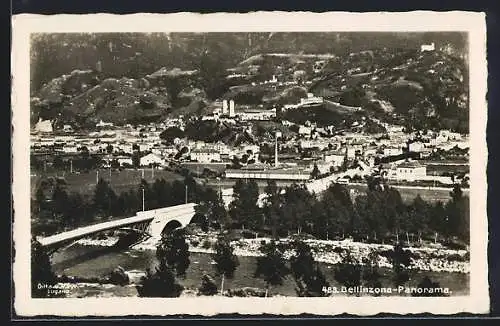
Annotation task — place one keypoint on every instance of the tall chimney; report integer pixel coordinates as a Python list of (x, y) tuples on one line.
[(277, 135), (231, 108)]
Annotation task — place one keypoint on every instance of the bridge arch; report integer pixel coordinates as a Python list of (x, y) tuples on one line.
[(171, 226)]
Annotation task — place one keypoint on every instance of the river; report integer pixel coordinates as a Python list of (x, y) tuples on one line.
[(85, 261)]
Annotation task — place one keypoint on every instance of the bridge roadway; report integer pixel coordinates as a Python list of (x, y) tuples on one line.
[(157, 219)]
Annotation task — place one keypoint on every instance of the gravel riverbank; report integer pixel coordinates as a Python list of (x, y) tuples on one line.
[(433, 259)]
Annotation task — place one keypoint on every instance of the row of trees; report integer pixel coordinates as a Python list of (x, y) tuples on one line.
[(55, 208), (378, 214)]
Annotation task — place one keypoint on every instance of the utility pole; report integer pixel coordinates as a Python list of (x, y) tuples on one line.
[(153, 172), (142, 172), (71, 166), (97, 177), (186, 195), (143, 206)]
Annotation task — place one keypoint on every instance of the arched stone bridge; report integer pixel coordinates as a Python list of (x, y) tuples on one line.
[(151, 223)]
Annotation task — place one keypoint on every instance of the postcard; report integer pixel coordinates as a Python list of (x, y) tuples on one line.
[(259, 163)]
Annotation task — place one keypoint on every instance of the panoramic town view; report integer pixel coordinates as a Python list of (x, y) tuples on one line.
[(249, 164)]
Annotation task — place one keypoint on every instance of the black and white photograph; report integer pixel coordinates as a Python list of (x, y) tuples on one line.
[(279, 163)]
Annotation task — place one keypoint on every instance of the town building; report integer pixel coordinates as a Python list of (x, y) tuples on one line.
[(408, 171), (102, 124), (124, 161), (151, 159), (232, 113), (336, 158), (43, 126), (427, 47), (393, 151), (205, 155), (416, 147), (311, 100), (268, 173)]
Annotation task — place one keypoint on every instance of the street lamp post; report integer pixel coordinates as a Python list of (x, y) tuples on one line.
[(143, 206)]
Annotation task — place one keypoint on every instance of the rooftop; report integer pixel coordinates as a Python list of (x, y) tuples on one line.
[(410, 165)]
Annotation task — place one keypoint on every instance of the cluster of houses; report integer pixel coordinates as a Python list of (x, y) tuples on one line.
[(328, 151)]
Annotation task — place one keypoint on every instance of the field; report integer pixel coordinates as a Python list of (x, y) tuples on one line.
[(120, 180)]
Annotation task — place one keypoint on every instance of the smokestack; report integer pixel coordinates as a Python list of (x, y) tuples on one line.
[(224, 107), (278, 134), (231, 108)]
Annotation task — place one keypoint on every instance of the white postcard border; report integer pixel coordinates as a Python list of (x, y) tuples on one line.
[(473, 23)]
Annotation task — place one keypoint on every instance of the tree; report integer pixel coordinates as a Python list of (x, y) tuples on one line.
[(336, 210), (104, 197), (243, 209), (371, 274), (41, 270), (173, 252), (136, 159), (208, 286), (457, 214), (171, 133), (348, 271), (315, 172), (212, 209), (401, 262), (161, 283), (272, 266), (272, 206), (226, 261), (297, 207), (173, 260), (306, 272)]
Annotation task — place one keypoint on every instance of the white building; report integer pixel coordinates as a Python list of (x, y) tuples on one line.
[(102, 124), (311, 100), (408, 171), (350, 152), (124, 161), (43, 126), (336, 158), (205, 155), (70, 149), (427, 47), (224, 107), (303, 130), (416, 147), (151, 159), (231, 109), (393, 151), (260, 115)]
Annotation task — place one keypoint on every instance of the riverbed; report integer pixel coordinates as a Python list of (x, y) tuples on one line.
[(93, 261)]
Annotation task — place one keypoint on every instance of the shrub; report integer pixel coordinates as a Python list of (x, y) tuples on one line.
[(247, 292), (208, 286), (206, 244), (247, 234), (194, 243), (118, 276)]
